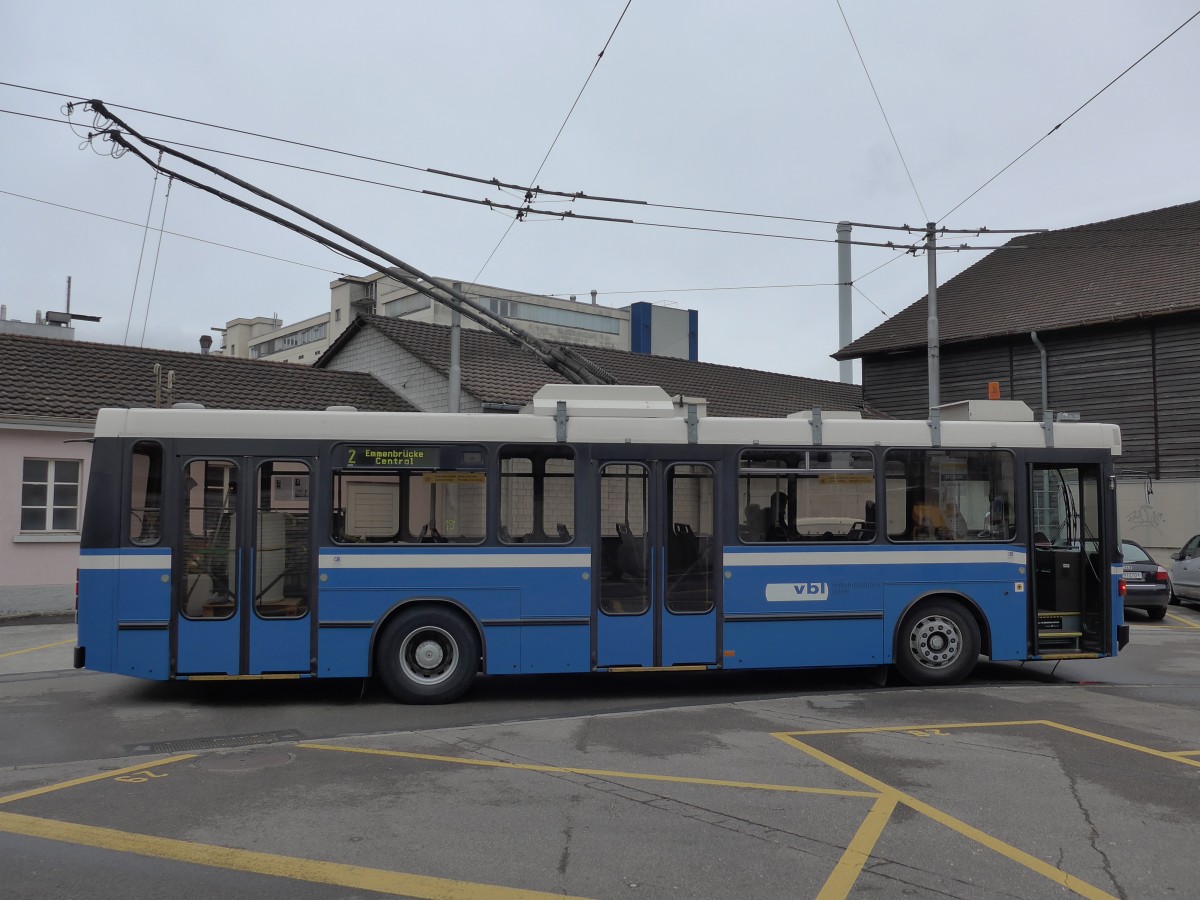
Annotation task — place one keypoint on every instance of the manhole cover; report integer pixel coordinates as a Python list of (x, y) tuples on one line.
[(244, 760)]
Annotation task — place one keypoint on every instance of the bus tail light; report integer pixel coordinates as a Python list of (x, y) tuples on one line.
[(1121, 587)]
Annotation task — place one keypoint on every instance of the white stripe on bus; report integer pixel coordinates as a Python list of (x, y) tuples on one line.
[(870, 557), (114, 561), (456, 561)]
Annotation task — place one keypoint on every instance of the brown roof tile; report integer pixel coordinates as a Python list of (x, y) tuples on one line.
[(498, 371), (72, 379), (1128, 268)]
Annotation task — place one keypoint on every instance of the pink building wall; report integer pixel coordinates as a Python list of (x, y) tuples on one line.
[(32, 559)]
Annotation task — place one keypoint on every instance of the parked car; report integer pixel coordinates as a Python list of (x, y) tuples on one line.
[(1147, 584), (1185, 572)]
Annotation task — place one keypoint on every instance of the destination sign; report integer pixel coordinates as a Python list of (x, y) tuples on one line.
[(391, 457)]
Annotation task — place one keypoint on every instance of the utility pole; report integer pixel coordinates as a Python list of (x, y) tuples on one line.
[(845, 298), (935, 398), (455, 366)]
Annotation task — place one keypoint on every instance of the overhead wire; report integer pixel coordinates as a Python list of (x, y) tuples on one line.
[(563, 359), (157, 257), (882, 111), (1077, 110), (178, 234), (141, 253), (533, 181), (884, 312), (525, 191), (495, 182), (694, 290), (563, 214)]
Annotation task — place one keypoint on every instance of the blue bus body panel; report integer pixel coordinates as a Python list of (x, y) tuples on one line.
[(280, 644), (130, 589), (533, 604), (689, 638), (790, 607), (209, 646), (625, 640)]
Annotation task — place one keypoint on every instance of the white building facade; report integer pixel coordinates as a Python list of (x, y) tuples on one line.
[(640, 327)]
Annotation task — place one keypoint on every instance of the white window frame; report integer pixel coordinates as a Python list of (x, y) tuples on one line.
[(50, 506)]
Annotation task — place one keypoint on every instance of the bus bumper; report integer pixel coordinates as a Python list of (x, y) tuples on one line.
[(1122, 636), (80, 656)]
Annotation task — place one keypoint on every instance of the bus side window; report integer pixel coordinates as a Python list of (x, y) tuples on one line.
[(366, 508), (537, 495), (145, 493)]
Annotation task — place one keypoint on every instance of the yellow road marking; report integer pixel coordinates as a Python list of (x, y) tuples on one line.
[(1070, 882), (598, 773), (295, 868), (1174, 756), (858, 851), (99, 776), (1117, 742), (1188, 622), (917, 727), (42, 647)]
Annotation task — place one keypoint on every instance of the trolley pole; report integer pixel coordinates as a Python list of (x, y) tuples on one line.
[(935, 399), (455, 366)]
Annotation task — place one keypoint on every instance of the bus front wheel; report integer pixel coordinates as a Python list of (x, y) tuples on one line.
[(428, 655), (938, 643)]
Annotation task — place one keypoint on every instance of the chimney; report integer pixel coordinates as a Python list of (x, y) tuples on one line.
[(593, 298), (205, 343), (3, 311)]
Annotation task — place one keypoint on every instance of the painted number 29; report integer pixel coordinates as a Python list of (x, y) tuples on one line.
[(139, 777)]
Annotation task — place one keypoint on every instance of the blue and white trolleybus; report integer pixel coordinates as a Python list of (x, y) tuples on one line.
[(603, 529)]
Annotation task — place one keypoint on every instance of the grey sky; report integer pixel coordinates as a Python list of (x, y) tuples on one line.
[(759, 107)]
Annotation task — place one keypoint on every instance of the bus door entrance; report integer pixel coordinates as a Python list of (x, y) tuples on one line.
[(656, 584), (1071, 557), (242, 578)]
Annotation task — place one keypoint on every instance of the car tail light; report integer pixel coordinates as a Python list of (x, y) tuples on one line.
[(1161, 574), (1121, 587)]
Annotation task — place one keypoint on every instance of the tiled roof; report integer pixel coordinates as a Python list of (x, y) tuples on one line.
[(497, 371), (1133, 267), (72, 379)]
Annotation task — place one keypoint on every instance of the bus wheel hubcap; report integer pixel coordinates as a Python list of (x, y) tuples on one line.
[(935, 642), (429, 654)]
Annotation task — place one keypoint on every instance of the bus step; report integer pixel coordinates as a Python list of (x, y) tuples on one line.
[(1052, 635), (1059, 642), (1068, 656), (1058, 622)]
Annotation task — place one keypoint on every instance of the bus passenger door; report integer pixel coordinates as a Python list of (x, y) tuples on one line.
[(656, 585), (243, 576), (1073, 553)]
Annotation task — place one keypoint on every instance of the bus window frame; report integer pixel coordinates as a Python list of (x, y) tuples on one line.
[(808, 471), (404, 537), (127, 493), (969, 538), (525, 451)]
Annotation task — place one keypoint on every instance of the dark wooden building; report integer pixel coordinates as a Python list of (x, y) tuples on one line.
[(1116, 306)]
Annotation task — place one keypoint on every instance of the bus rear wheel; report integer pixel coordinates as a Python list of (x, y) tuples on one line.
[(427, 655), (938, 643)]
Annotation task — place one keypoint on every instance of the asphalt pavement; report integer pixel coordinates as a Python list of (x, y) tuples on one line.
[(1080, 778)]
